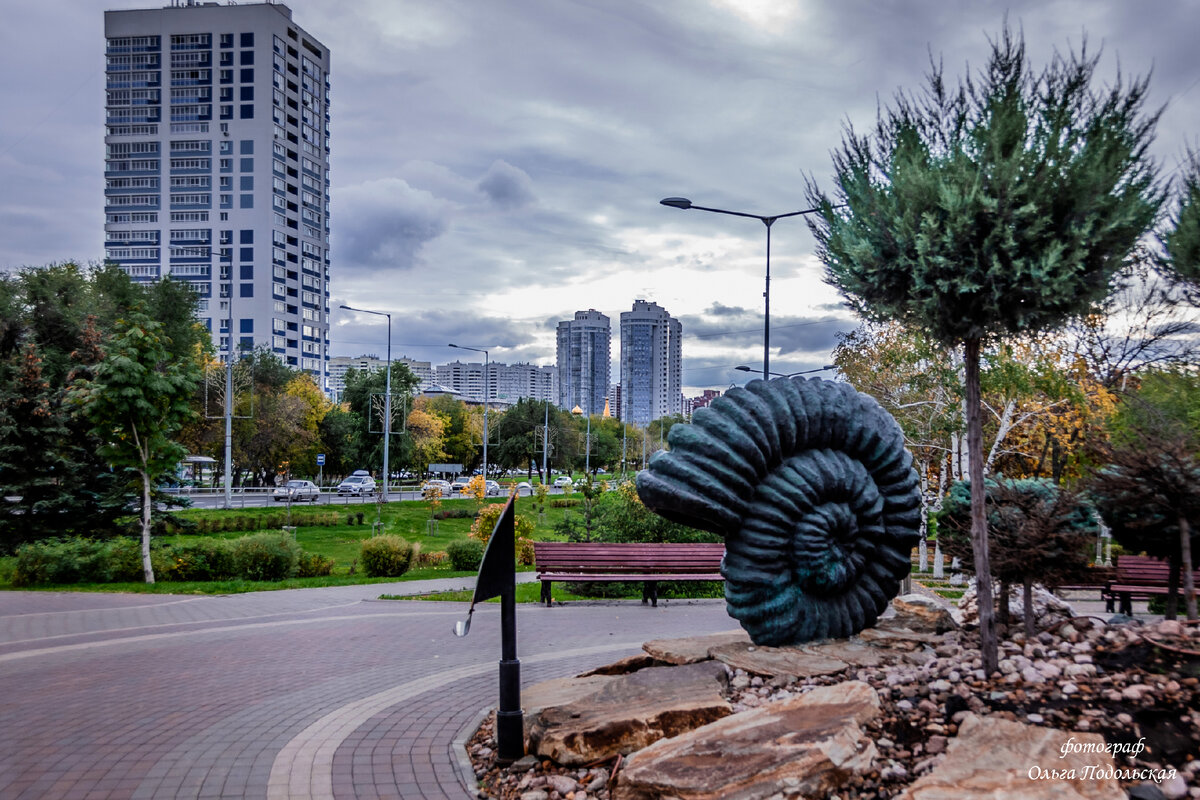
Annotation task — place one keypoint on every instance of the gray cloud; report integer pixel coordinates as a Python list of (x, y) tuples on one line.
[(385, 223), (507, 187)]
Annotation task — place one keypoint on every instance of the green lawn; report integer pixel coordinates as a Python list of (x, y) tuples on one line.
[(341, 542)]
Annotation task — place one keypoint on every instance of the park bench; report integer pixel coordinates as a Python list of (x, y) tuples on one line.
[(1092, 579), (1139, 577), (609, 562)]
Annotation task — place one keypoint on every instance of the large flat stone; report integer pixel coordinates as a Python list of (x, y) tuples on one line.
[(691, 649), (807, 745), (922, 614), (628, 712), (774, 661), (997, 759)]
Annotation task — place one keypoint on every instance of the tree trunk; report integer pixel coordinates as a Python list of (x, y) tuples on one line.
[(1185, 552), (1027, 609), (147, 567), (1172, 609), (988, 645), (1003, 610)]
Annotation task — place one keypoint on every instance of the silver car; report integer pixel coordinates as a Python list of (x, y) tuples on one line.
[(298, 491), (359, 483)]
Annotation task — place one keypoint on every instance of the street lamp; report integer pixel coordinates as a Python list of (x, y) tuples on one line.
[(684, 203), (744, 368), (486, 400), (387, 400)]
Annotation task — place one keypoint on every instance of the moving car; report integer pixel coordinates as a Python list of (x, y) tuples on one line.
[(459, 485), (359, 483), (436, 483), (298, 491), (492, 489), (563, 480)]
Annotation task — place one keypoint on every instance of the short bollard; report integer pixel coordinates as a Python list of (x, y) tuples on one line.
[(498, 578)]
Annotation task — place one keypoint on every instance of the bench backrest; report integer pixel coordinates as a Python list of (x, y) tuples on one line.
[(599, 557), (1145, 570)]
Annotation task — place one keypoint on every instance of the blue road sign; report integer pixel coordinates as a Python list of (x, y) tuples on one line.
[(320, 459)]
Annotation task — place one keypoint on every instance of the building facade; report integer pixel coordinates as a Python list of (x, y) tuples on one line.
[(584, 361), (507, 383), (217, 168), (340, 365), (651, 363)]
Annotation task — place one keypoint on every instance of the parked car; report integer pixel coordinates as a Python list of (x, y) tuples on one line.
[(492, 489), (298, 491), (441, 485), (359, 483), (563, 480), (524, 489), (459, 485)]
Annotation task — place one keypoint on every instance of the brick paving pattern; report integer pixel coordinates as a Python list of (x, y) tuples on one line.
[(321, 693)]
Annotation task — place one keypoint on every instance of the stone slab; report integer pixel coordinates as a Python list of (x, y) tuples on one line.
[(691, 649)]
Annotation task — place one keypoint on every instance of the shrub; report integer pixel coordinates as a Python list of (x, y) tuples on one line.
[(524, 550), (454, 513), (313, 565), (432, 558), (465, 554), (386, 556), (265, 557), (80, 560), (359, 517), (565, 503), (350, 518), (485, 523), (209, 560)]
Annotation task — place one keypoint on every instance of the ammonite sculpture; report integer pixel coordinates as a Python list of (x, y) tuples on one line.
[(810, 485)]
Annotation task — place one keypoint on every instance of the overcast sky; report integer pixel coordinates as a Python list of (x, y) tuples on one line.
[(497, 166)]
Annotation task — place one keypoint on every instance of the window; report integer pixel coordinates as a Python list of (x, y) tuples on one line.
[(247, 183), (226, 76), (226, 40), (247, 111), (247, 271), (191, 182), (227, 60), (226, 147), (226, 95), (226, 183), (190, 146), (247, 94), (247, 58), (247, 147), (191, 163), (226, 164), (246, 290), (247, 75), (189, 216), (246, 201)]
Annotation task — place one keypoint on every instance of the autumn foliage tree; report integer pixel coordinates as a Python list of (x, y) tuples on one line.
[(996, 208)]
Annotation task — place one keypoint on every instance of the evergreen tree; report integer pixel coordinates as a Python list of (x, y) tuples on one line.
[(1000, 207)]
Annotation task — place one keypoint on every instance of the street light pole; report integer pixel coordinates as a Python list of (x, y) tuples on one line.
[(744, 368), (387, 399), (684, 203), (486, 401)]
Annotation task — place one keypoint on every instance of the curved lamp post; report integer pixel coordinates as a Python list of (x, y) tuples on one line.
[(684, 203), (744, 368), (486, 400), (387, 399)]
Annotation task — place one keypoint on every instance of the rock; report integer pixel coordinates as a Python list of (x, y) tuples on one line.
[(1170, 627), (629, 712), (807, 745), (536, 794), (1146, 791), (1048, 608), (558, 692), (524, 763), (691, 649), (776, 660), (1174, 788), (624, 666), (1000, 760), (922, 614), (899, 638), (561, 783)]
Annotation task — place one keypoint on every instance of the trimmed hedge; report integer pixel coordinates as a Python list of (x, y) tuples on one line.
[(386, 556), (465, 554), (265, 557)]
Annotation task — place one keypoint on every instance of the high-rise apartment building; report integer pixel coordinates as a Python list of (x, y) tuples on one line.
[(340, 365), (651, 363), (584, 356), (217, 168)]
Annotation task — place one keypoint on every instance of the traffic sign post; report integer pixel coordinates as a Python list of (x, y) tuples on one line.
[(320, 470)]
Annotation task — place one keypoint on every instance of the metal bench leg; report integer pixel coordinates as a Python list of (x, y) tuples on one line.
[(546, 592), (1126, 604), (650, 592)]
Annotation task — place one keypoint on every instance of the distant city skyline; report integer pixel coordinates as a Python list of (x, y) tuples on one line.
[(496, 167)]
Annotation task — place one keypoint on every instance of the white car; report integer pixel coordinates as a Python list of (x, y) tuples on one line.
[(492, 489), (359, 483), (563, 480), (459, 485), (442, 486), (298, 491)]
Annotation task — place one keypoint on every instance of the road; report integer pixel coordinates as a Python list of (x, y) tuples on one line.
[(257, 498), (311, 693)]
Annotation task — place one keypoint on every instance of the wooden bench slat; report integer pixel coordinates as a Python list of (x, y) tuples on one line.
[(645, 562)]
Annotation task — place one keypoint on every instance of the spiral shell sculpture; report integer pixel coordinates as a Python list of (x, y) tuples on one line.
[(810, 485)]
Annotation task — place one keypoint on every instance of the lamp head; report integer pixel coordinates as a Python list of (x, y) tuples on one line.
[(744, 368), (676, 202)]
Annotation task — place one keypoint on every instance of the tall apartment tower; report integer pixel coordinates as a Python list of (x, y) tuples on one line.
[(217, 168), (651, 363), (584, 361)]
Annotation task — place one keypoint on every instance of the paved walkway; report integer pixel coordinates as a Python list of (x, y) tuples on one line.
[(313, 693)]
